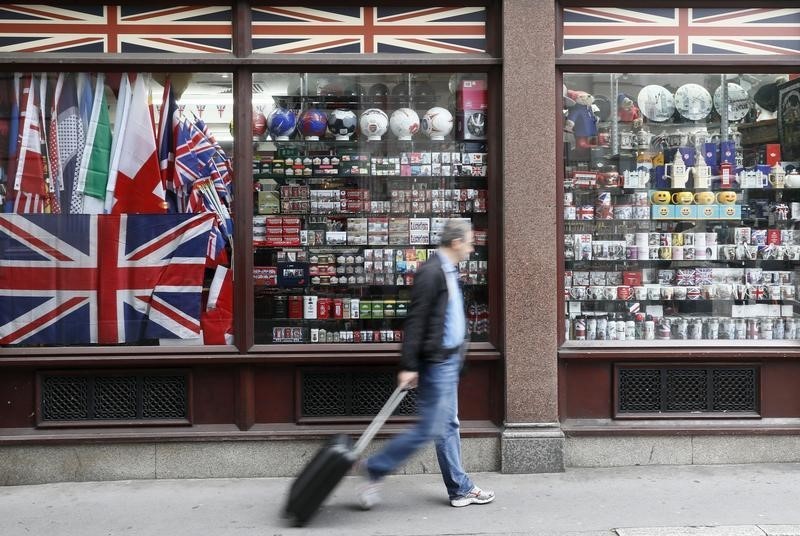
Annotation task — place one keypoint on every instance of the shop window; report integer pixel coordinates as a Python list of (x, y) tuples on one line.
[(115, 225), (355, 175), (681, 209)]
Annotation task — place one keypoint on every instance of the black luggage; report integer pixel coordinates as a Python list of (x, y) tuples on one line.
[(318, 479)]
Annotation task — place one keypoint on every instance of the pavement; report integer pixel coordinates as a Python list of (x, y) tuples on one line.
[(720, 500)]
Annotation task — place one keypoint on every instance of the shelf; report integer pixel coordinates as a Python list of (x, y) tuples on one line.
[(653, 189), (319, 287), (362, 144), (687, 300), (342, 101), (379, 214), (682, 262), (360, 246), (328, 320)]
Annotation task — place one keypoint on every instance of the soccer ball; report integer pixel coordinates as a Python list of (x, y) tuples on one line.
[(313, 124), (259, 124), (437, 123), (281, 123), (374, 123), (404, 123), (342, 123), (476, 124)]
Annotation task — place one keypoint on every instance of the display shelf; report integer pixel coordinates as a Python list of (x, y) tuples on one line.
[(362, 145), (686, 300), (355, 101)]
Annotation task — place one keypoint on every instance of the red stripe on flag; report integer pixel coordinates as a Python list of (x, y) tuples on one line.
[(35, 242), (42, 321)]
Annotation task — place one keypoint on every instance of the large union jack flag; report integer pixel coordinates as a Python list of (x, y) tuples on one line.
[(108, 279), (112, 28), (367, 30), (603, 30)]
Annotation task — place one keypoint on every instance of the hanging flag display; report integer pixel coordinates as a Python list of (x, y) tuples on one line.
[(138, 188), (141, 200), (97, 153)]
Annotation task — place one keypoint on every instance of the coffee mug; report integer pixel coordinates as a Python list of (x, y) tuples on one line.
[(705, 198), (726, 198), (578, 293), (624, 292), (777, 180), (661, 197), (683, 198)]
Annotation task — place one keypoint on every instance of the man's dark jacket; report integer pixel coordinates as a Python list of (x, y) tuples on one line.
[(424, 326)]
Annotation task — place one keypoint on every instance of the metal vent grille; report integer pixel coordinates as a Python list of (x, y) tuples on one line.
[(713, 389), (734, 389), (109, 397), (686, 389), (115, 397), (65, 398), (324, 394), (350, 394), (163, 397), (639, 390)]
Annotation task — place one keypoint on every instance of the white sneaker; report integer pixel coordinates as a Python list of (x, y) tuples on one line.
[(475, 496), (369, 495)]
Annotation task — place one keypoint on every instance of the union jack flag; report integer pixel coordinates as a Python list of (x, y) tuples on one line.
[(367, 30), (184, 29), (108, 279), (605, 30)]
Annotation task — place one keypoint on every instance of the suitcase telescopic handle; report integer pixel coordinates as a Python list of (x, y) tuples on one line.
[(379, 420)]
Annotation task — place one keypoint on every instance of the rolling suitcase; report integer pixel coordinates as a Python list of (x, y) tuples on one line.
[(331, 464)]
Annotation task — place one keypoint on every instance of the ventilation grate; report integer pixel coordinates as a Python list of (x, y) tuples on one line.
[(65, 398), (734, 389), (115, 397), (639, 390), (107, 397), (350, 394), (686, 389), (715, 389)]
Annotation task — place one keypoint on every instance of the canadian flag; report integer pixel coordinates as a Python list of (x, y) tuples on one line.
[(138, 188)]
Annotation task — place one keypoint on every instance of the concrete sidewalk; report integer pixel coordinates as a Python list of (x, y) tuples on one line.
[(730, 500)]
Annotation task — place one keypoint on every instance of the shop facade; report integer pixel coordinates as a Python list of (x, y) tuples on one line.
[(317, 151), (694, 356), (315, 241)]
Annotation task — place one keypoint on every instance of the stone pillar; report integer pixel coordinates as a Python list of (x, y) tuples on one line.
[(532, 439)]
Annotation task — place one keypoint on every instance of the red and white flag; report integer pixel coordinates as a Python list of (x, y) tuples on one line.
[(29, 180), (138, 188)]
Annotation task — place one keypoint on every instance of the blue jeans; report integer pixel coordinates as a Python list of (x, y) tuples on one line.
[(437, 405)]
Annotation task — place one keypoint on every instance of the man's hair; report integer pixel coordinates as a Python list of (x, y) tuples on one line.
[(455, 229)]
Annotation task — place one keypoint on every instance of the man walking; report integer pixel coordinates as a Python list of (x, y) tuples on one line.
[(434, 345)]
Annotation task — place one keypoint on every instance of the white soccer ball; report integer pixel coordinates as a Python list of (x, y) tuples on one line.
[(374, 123), (437, 123), (404, 123), (342, 123)]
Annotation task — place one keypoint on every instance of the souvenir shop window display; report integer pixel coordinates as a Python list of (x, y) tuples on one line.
[(131, 222), (681, 224), (354, 178)]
